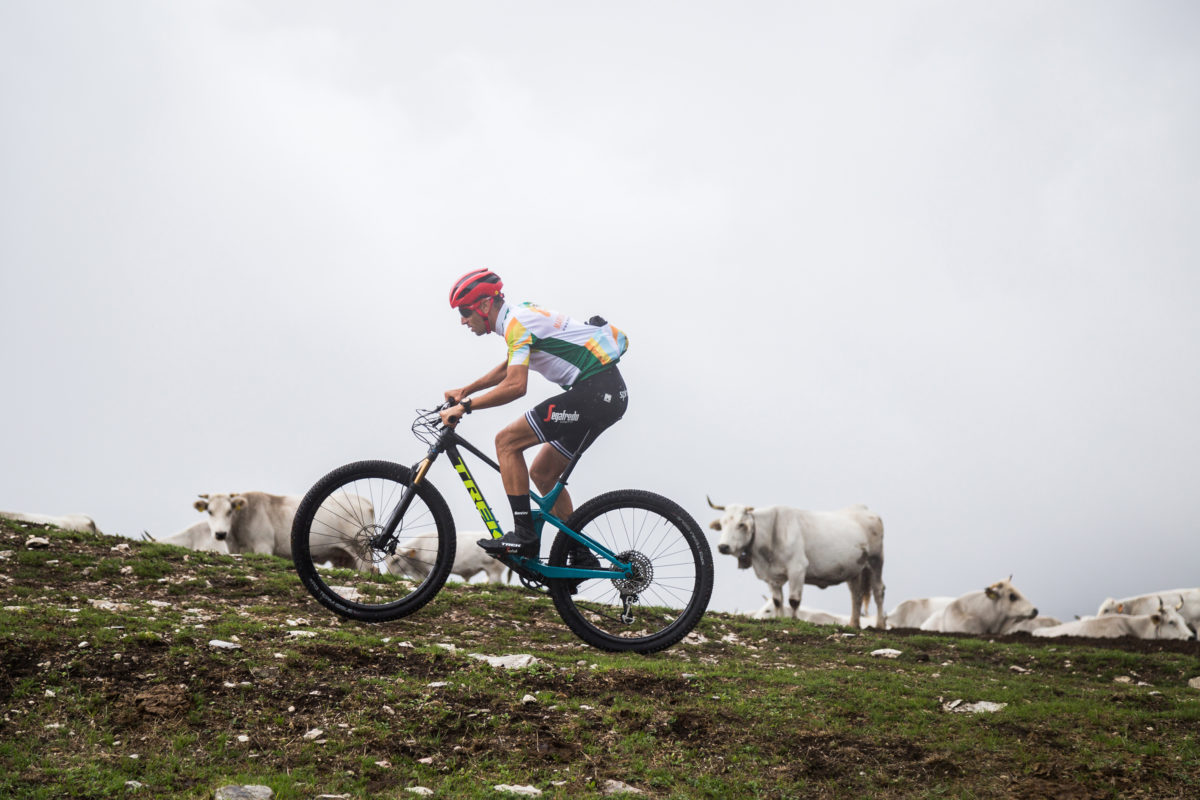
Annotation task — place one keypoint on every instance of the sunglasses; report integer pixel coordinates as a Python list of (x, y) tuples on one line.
[(466, 312)]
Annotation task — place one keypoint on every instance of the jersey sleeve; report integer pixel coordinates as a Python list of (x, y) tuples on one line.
[(519, 341)]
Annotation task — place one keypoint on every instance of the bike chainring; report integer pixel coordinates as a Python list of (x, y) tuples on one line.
[(531, 580)]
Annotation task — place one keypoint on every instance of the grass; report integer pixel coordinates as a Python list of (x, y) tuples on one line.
[(107, 677)]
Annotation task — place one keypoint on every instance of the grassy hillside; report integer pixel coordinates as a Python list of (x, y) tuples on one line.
[(107, 677)]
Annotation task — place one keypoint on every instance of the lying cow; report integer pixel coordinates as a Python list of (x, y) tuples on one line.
[(794, 546), (813, 615), (257, 522), (414, 558), (986, 611), (1031, 625), (911, 613), (79, 523), (196, 537), (1185, 601), (1164, 623)]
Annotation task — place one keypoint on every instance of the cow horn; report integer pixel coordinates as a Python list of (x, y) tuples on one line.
[(1180, 606), (714, 505), (202, 495)]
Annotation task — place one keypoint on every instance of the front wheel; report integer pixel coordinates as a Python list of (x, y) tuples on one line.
[(672, 581), (342, 562)]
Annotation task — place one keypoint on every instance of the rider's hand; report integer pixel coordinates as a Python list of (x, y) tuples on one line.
[(452, 415), (455, 395)]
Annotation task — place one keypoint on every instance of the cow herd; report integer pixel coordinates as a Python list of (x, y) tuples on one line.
[(796, 547), (783, 545)]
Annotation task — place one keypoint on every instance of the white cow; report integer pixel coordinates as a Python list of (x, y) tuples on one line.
[(258, 522), (911, 613), (794, 546), (80, 523), (414, 557), (1164, 623), (196, 537), (1031, 625), (986, 611), (1185, 601)]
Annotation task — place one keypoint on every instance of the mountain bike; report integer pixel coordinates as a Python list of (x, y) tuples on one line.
[(644, 589)]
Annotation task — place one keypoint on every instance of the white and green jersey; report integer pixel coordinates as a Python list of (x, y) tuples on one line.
[(562, 349)]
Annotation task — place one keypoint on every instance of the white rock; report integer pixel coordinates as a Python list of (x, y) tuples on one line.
[(528, 791), (37, 543), (518, 661), (437, 684), (221, 645), (617, 787), (301, 634), (245, 793), (313, 734), (425, 760), (1194, 682), (981, 707), (527, 699), (886, 652), (133, 785), (243, 738), (424, 791)]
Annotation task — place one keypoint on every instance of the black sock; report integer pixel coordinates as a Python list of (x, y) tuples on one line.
[(522, 521)]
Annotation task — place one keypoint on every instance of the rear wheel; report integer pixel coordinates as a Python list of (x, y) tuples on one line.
[(341, 564), (672, 581)]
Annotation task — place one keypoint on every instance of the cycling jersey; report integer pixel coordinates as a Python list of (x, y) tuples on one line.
[(562, 349)]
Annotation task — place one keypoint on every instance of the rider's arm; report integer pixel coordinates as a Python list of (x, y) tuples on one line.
[(513, 385), (493, 377)]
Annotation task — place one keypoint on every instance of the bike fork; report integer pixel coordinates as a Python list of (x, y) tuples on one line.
[(386, 539)]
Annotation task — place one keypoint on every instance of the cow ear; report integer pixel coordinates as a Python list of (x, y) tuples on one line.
[(200, 505), (715, 524), (1120, 608), (749, 509), (992, 593), (239, 503)]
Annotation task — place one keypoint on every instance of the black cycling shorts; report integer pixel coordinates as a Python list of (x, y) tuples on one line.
[(582, 412)]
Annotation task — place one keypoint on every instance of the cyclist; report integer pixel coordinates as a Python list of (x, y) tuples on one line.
[(580, 357)]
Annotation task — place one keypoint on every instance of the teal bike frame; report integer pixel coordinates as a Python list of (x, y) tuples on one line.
[(448, 441)]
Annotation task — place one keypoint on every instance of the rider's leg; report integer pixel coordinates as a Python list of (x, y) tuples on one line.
[(511, 444), (547, 466)]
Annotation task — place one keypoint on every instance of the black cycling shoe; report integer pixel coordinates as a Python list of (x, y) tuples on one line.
[(514, 543), (582, 558)]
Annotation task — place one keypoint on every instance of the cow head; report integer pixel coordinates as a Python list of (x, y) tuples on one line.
[(220, 508), (1010, 600), (1169, 623), (737, 531)]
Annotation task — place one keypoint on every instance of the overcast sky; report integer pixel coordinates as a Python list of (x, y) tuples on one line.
[(941, 258)]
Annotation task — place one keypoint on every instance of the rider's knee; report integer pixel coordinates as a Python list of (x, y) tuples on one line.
[(506, 442)]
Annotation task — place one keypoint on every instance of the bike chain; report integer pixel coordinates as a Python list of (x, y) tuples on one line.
[(530, 580)]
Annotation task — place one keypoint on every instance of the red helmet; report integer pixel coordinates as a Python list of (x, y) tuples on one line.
[(473, 288)]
